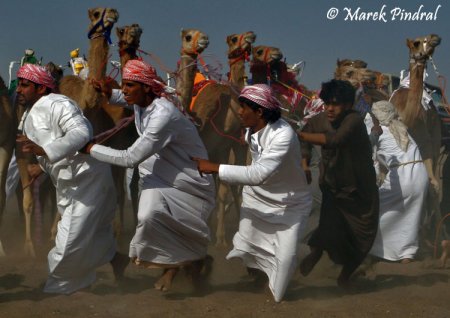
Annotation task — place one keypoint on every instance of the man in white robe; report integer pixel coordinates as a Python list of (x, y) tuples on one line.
[(54, 128), (175, 200), (402, 190), (276, 201)]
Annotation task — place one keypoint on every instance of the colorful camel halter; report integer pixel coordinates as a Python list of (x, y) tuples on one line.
[(106, 34), (37, 74), (238, 54)]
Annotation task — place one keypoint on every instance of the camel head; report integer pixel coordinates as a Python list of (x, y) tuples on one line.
[(266, 54), (129, 36), (353, 63), (56, 71), (354, 71), (193, 41), (422, 48), (240, 43), (102, 21)]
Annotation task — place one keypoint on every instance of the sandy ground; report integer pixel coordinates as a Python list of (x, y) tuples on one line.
[(413, 290)]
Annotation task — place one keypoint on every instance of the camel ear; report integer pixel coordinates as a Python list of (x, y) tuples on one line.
[(90, 13), (119, 31), (228, 38), (338, 62), (409, 43), (182, 32)]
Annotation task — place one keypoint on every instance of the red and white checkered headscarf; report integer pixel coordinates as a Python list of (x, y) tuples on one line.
[(262, 95), (139, 71), (37, 74)]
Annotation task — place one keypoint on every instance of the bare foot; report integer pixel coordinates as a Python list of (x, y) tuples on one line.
[(119, 263), (165, 281), (308, 263)]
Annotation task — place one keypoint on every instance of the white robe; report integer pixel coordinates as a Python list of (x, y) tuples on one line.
[(84, 189), (276, 203), (402, 196), (175, 202)]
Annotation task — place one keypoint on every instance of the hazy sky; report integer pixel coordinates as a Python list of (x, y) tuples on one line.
[(300, 28)]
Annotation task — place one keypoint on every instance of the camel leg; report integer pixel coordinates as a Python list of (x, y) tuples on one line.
[(222, 195), (4, 161), (118, 174), (27, 206), (445, 252)]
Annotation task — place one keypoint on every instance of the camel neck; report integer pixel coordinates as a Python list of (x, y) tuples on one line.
[(415, 85), (98, 55), (185, 79), (127, 55), (237, 74)]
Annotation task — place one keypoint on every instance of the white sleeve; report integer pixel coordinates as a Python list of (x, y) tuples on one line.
[(76, 130), (260, 170), (156, 136)]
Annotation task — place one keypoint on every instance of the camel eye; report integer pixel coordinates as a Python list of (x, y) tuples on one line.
[(120, 31), (234, 39), (259, 52), (416, 44), (188, 38), (96, 14)]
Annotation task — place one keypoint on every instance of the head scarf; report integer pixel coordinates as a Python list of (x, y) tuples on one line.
[(139, 71), (37, 74), (262, 95), (386, 114)]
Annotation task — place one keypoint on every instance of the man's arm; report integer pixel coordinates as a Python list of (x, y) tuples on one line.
[(76, 129)]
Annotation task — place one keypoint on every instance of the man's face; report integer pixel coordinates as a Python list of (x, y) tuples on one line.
[(28, 92), (135, 93), (249, 118), (334, 110)]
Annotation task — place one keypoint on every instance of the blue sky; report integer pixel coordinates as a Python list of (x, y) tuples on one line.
[(300, 29)]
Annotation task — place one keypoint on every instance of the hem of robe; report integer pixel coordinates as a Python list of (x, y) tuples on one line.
[(54, 285), (254, 257), (395, 256), (146, 264)]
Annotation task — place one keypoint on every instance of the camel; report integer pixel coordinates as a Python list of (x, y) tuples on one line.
[(216, 106), (193, 43), (423, 124), (267, 67), (7, 132), (82, 91), (374, 83)]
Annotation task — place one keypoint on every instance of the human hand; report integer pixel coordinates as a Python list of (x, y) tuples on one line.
[(28, 146), (34, 170), (206, 166), (435, 184), (87, 147), (103, 86)]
